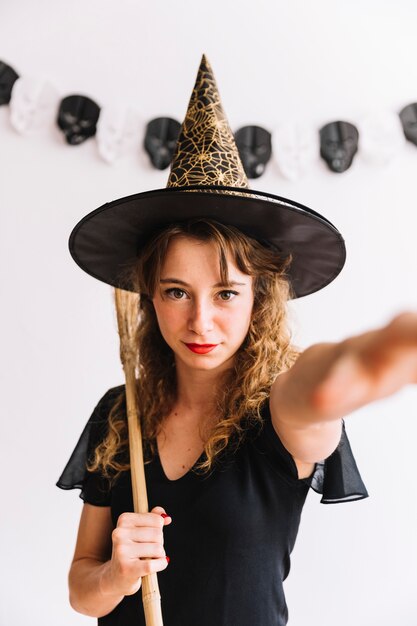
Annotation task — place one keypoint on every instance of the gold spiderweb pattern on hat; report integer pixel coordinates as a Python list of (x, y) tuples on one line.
[(206, 152)]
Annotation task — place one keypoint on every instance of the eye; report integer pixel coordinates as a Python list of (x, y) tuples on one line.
[(175, 293), (227, 295)]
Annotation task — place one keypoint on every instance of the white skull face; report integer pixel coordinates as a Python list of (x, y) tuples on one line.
[(117, 129), (296, 147), (32, 104), (381, 136)]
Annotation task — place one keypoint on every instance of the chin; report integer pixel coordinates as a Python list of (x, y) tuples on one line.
[(205, 363)]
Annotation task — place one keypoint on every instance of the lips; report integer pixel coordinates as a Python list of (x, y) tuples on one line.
[(201, 348)]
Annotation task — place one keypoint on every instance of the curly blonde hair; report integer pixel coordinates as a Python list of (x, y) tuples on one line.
[(264, 354)]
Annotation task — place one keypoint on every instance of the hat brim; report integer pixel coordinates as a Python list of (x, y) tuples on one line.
[(108, 240)]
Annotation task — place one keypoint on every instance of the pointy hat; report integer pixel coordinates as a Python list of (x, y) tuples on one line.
[(206, 152), (207, 180)]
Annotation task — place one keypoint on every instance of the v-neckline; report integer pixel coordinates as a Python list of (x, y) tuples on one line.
[(176, 480)]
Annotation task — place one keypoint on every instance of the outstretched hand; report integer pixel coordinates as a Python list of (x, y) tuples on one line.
[(368, 367)]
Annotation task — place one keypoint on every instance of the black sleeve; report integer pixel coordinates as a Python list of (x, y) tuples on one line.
[(336, 478), (95, 488)]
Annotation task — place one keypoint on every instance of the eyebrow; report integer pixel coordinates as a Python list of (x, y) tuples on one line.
[(177, 281)]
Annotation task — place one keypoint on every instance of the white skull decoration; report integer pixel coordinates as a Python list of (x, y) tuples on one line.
[(32, 104), (381, 136), (117, 130), (295, 147)]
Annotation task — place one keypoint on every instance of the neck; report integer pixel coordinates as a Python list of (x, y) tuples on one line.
[(198, 390)]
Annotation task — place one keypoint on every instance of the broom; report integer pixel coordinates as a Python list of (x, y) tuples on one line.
[(127, 308)]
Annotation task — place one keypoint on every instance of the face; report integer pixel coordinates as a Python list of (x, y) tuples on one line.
[(195, 310)]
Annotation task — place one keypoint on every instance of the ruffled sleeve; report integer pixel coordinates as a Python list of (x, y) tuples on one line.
[(95, 488), (336, 478)]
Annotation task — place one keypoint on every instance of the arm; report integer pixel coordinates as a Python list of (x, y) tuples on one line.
[(330, 380), (109, 564), (294, 417)]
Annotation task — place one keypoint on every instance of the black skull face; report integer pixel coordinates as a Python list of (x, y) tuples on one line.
[(77, 118), (8, 77), (160, 141), (338, 145), (408, 117), (254, 145)]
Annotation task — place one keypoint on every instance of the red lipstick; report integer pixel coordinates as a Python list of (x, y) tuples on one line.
[(201, 348)]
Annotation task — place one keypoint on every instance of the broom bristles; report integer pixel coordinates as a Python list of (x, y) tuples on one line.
[(127, 309)]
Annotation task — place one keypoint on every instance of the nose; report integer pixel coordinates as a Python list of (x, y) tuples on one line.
[(201, 319)]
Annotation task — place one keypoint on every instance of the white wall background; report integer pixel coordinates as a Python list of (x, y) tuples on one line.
[(312, 61)]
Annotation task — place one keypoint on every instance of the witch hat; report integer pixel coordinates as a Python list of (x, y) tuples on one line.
[(207, 180)]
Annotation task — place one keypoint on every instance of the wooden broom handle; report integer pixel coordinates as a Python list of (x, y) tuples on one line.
[(150, 590)]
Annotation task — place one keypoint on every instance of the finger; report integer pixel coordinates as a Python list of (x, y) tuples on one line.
[(147, 551), (149, 566), (140, 567), (405, 322), (390, 355), (132, 520), (159, 510), (129, 553), (399, 333), (145, 534)]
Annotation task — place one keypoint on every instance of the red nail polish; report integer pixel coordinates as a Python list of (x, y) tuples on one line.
[(164, 515), (168, 559)]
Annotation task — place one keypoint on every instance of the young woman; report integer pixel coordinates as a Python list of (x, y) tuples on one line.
[(237, 425), (236, 434)]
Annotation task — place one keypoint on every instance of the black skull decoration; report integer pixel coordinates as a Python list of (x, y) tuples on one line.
[(8, 77), (408, 117), (77, 118), (254, 145), (160, 141), (338, 145)]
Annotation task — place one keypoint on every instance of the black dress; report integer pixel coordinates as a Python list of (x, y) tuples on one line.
[(232, 531)]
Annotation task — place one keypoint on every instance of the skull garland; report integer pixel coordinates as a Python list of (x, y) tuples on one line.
[(160, 141), (77, 118), (254, 145), (8, 77), (408, 117), (338, 145), (31, 99)]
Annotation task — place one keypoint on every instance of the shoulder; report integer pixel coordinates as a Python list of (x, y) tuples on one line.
[(114, 392), (76, 474), (98, 423), (107, 401)]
